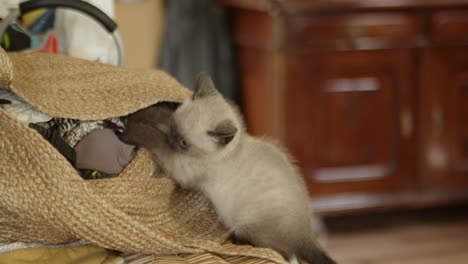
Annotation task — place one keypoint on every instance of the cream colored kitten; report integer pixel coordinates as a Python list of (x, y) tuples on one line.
[(254, 187)]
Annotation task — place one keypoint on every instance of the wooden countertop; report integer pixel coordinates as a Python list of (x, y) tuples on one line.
[(299, 6)]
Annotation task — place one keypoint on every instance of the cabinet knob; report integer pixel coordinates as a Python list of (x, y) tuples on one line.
[(438, 119), (272, 7), (355, 31), (406, 123)]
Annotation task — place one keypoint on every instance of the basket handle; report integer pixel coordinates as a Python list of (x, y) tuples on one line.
[(79, 5)]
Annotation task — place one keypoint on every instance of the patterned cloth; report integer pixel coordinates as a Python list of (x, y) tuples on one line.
[(19, 109), (65, 134), (73, 130)]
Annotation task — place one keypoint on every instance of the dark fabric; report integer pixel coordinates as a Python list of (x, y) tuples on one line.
[(197, 39), (101, 150)]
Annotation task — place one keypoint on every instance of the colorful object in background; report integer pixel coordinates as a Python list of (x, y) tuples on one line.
[(90, 34), (32, 33), (39, 24), (5, 41), (51, 45), (15, 39), (31, 17), (82, 37), (39, 21)]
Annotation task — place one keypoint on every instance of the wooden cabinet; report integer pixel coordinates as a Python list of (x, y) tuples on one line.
[(371, 97), (343, 30), (444, 115)]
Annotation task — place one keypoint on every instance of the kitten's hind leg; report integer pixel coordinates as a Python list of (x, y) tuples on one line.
[(239, 241), (293, 260)]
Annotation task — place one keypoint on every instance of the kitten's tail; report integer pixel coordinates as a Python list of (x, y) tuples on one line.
[(314, 254)]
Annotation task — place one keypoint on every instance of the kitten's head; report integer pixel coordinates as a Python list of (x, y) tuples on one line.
[(204, 124)]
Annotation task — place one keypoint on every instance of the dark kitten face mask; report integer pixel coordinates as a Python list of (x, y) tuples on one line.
[(223, 134), (176, 141), (199, 126)]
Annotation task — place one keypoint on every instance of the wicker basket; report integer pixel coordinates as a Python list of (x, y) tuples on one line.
[(43, 199)]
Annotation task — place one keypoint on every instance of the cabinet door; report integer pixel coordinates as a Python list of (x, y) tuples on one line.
[(350, 120), (444, 118)]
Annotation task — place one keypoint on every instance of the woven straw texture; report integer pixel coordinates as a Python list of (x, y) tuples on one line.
[(72, 88), (45, 200), (199, 258), (6, 69)]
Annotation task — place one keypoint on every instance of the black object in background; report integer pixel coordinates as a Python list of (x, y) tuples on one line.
[(15, 40), (197, 39)]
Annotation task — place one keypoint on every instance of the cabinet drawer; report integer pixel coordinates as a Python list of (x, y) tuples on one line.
[(338, 29), (449, 25)]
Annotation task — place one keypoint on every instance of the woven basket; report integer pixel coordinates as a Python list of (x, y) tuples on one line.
[(43, 199)]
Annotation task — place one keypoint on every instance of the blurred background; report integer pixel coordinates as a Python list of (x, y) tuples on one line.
[(368, 96)]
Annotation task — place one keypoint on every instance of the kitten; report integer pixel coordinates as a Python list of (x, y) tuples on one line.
[(254, 187)]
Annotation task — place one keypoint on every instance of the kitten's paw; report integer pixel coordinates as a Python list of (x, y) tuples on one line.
[(293, 260)]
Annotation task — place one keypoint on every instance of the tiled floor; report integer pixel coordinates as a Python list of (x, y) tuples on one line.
[(417, 237)]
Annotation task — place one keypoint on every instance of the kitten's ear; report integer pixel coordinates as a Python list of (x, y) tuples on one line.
[(204, 86), (224, 132)]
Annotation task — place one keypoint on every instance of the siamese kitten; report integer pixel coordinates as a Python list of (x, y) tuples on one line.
[(254, 187)]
